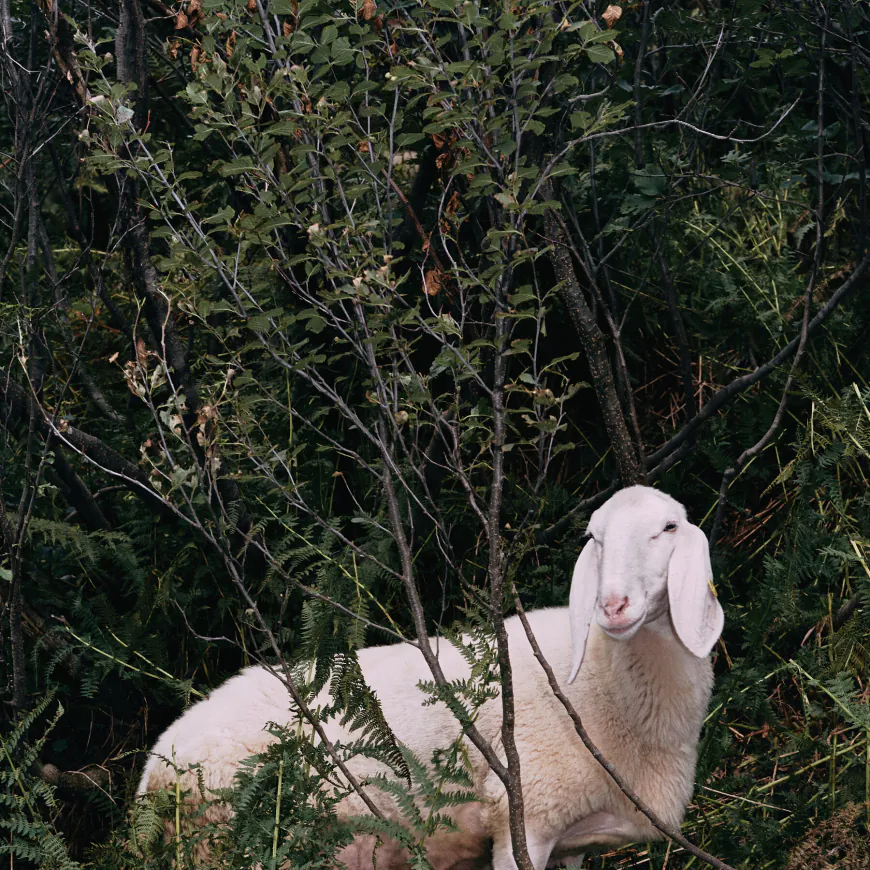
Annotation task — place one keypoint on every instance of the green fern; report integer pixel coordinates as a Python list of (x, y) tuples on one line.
[(28, 801)]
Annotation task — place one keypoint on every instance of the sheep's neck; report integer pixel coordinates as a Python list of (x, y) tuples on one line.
[(658, 689)]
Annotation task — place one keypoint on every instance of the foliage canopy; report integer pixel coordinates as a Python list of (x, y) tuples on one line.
[(327, 323)]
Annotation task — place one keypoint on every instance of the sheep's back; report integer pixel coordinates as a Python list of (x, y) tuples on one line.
[(219, 732)]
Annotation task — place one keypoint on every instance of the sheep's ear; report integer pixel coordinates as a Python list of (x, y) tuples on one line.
[(696, 614), (581, 605)]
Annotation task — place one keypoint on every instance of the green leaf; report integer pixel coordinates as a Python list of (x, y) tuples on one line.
[(242, 164), (600, 54), (650, 182), (581, 120), (227, 213)]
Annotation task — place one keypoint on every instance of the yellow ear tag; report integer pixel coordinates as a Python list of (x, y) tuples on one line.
[(712, 588)]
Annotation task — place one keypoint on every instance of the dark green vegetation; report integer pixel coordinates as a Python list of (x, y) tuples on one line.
[(313, 304)]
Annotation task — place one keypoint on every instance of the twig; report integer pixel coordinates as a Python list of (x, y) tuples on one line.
[(424, 238), (842, 616), (744, 382), (496, 569)]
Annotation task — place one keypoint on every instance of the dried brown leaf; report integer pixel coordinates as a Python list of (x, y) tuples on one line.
[(611, 15), (433, 282)]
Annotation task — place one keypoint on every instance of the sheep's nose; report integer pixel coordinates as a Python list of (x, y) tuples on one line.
[(614, 606)]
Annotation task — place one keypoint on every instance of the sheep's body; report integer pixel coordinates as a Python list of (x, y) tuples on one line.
[(637, 632), (648, 725)]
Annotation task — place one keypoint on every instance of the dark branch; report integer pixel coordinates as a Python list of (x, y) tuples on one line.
[(16, 406), (628, 463), (744, 382)]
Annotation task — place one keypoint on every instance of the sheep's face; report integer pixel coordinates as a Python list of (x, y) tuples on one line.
[(635, 534), (643, 560)]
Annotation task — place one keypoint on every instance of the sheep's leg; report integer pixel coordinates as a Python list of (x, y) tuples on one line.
[(539, 850)]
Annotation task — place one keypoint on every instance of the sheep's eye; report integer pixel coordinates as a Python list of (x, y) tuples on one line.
[(670, 527)]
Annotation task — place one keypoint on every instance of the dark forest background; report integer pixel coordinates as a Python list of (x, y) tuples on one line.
[(326, 323)]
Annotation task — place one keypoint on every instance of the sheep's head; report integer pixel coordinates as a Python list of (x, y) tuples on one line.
[(643, 557)]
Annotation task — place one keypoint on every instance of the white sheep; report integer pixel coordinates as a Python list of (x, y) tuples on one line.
[(641, 622)]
